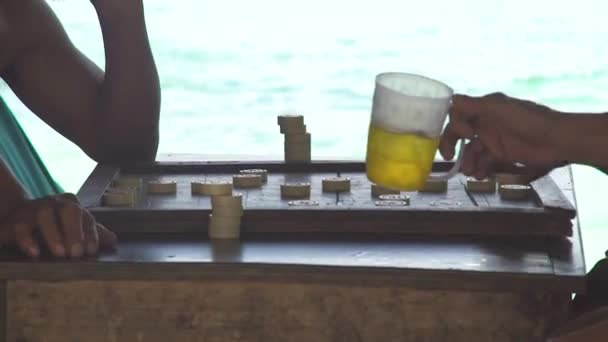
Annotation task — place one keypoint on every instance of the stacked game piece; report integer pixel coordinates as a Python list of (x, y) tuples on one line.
[(211, 188), (297, 140), (127, 182), (116, 197), (225, 219), (123, 191)]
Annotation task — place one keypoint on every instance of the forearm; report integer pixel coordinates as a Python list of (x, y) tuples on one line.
[(130, 94), (13, 194), (583, 139)]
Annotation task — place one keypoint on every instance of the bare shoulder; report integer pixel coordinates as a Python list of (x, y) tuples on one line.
[(24, 26)]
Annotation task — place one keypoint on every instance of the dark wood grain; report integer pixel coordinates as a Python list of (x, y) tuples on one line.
[(551, 196), (567, 254), (453, 212), (306, 286), (200, 165), (268, 197), (360, 197), (416, 260), (458, 263)]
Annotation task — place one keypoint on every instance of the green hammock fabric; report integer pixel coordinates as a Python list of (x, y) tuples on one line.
[(23, 160)]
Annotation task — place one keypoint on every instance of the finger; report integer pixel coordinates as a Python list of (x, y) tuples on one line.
[(447, 143), (89, 226), (454, 131), (107, 239), (47, 223), (484, 167), (69, 197), (468, 160), (25, 241), (492, 140), (71, 222), (534, 173), (91, 237), (476, 154), (468, 108)]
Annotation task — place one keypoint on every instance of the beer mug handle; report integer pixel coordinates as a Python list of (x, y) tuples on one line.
[(454, 170)]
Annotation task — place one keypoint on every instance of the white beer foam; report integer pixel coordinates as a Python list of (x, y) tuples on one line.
[(406, 103)]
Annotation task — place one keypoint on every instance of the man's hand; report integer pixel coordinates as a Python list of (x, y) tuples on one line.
[(503, 131), (60, 224)]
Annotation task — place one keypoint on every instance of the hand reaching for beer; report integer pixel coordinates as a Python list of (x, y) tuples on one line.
[(502, 131)]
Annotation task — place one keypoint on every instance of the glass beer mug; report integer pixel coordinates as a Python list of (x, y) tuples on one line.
[(408, 114)]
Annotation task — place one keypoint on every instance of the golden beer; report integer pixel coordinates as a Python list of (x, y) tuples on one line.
[(399, 161)]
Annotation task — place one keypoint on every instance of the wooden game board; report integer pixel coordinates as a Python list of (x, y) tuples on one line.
[(456, 212)]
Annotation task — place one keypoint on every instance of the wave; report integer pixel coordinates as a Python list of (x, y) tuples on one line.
[(538, 80)]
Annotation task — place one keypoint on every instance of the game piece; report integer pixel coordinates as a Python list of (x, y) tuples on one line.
[(195, 187), (510, 178), (127, 182), (224, 227), (118, 198), (435, 186), (487, 185), (297, 146), (392, 203), (297, 139), (303, 203), (211, 188), (297, 154), (227, 205), (336, 184), (293, 129), (514, 192), (295, 190), (379, 190), (247, 181), (263, 173), (162, 187), (394, 197), (290, 119), (133, 191), (291, 124)]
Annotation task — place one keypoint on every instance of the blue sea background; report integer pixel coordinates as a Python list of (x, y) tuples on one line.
[(229, 67)]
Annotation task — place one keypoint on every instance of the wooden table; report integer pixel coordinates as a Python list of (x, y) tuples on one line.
[(184, 288)]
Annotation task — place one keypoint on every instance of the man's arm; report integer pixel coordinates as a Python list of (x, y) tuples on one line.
[(582, 139), (114, 116), (13, 193)]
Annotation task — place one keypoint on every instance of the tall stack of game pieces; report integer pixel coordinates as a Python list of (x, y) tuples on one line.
[(225, 219), (297, 139)]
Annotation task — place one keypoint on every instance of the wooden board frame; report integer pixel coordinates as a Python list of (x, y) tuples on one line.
[(552, 217)]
